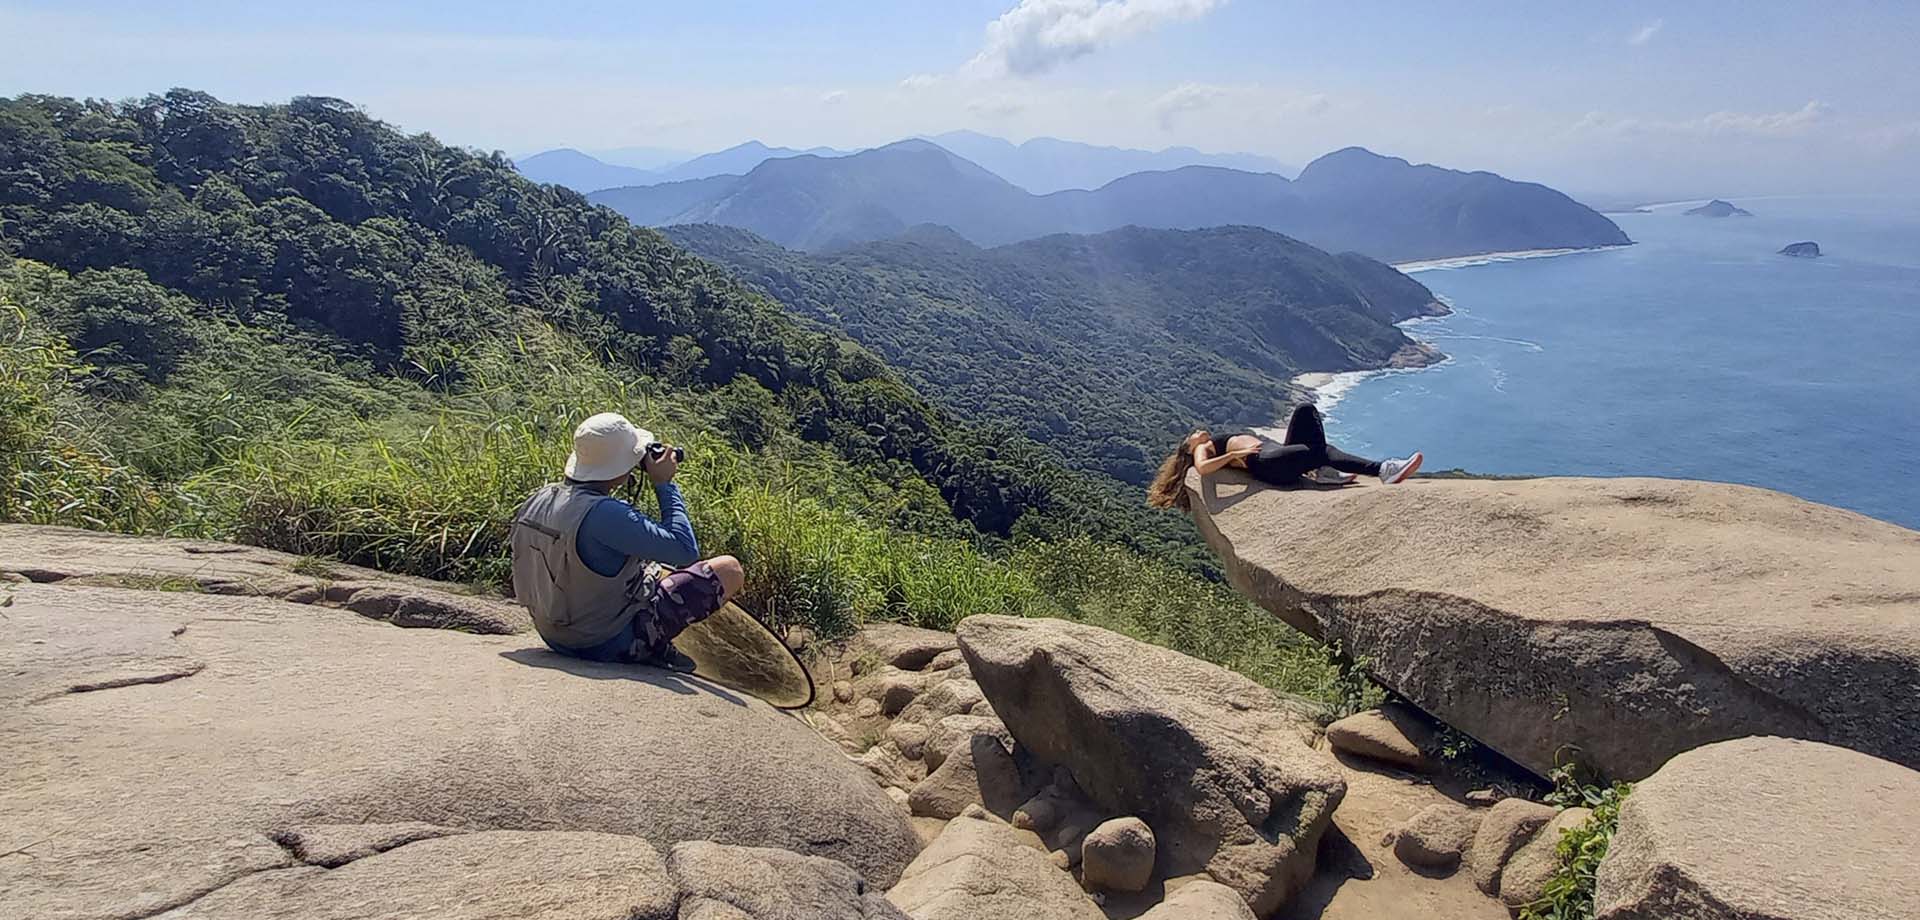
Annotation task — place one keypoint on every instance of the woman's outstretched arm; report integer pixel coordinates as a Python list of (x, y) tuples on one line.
[(1208, 464)]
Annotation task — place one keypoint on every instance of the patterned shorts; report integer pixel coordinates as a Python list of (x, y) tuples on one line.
[(668, 601)]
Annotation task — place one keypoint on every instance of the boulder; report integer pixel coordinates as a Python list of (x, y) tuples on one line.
[(1507, 826), (979, 869), (1766, 829), (890, 767), (1201, 900), (977, 771), (171, 738), (1625, 619), (947, 698), (1391, 734), (909, 737), (771, 884), (896, 689), (1523, 880), (1118, 855), (1436, 837), (549, 875), (908, 648), (1219, 766), (953, 730)]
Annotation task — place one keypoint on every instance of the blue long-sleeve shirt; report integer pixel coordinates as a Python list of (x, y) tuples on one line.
[(614, 531)]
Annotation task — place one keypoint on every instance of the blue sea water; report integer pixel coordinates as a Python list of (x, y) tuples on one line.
[(1698, 353)]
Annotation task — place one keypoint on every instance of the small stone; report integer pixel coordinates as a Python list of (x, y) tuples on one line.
[(898, 795), (1482, 798), (1391, 734), (1508, 825), (1118, 855), (867, 709), (910, 738), (1039, 814), (843, 691), (1524, 878), (1436, 837), (895, 692), (946, 659)]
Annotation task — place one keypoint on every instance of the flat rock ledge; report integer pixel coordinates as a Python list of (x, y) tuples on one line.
[(1622, 620), (237, 755), (85, 557)]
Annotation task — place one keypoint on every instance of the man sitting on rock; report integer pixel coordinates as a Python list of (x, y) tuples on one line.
[(590, 568)]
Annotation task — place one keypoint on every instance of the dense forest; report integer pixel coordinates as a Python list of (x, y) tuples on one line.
[(1107, 348), (399, 253), (297, 327)]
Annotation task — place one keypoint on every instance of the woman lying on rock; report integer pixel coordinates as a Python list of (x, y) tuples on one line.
[(1303, 453)]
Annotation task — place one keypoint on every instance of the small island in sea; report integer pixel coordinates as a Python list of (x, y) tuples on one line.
[(1718, 208), (1806, 249)]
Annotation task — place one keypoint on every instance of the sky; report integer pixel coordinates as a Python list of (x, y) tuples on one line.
[(1660, 100)]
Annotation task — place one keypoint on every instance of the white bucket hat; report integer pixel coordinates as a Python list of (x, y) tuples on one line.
[(606, 446)]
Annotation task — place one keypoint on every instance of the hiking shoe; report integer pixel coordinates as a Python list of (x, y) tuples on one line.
[(1397, 471), (1328, 476), (673, 659)]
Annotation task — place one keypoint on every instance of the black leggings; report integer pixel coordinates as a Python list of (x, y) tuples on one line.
[(1304, 450)]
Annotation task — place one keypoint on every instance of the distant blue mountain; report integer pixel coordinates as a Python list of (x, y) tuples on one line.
[(1047, 164), (1351, 199), (580, 172)]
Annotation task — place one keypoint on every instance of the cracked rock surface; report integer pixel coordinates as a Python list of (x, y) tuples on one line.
[(241, 743)]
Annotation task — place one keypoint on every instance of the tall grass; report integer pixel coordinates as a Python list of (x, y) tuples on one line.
[(424, 481)]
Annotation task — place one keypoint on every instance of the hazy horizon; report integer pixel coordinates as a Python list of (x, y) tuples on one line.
[(1632, 101)]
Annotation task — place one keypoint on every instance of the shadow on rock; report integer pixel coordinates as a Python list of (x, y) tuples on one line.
[(597, 670)]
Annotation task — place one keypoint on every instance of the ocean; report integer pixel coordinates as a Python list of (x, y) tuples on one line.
[(1698, 352)]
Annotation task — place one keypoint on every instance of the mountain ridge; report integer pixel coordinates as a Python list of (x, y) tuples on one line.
[(1351, 199)]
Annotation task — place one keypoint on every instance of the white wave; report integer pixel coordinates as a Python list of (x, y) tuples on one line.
[(1534, 347), (1489, 258)]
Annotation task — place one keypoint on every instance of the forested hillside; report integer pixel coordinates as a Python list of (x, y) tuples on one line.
[(402, 263), (1106, 347), (1351, 199)]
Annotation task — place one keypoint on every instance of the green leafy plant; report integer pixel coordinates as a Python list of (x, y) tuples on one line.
[(1569, 893)]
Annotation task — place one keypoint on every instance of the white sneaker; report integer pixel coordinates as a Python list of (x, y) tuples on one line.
[(1397, 471), (1328, 476)]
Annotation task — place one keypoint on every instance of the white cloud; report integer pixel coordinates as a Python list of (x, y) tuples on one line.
[(1795, 123), (1038, 35), (834, 98), (1187, 97), (920, 81), (1646, 33)]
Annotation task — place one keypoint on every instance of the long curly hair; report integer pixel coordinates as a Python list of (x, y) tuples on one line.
[(1169, 486)]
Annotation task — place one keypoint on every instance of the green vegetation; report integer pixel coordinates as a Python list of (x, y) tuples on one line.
[(1106, 348), (293, 327), (1569, 894)]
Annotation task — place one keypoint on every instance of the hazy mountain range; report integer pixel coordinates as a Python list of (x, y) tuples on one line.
[(1043, 164), (1351, 199), (1106, 347)]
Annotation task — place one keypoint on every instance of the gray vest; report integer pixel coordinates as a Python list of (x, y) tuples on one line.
[(572, 605)]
